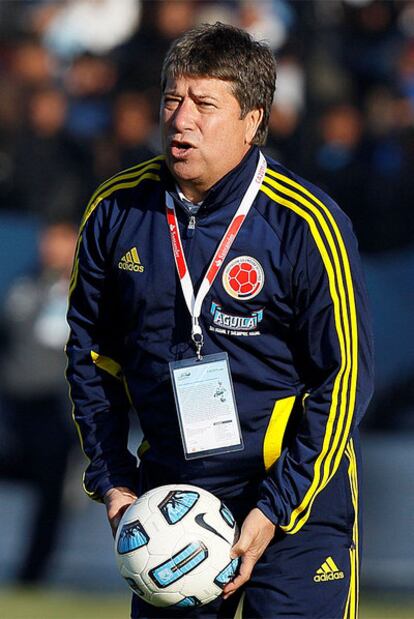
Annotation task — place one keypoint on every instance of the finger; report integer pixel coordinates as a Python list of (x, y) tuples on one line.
[(242, 544), (243, 576), (116, 519)]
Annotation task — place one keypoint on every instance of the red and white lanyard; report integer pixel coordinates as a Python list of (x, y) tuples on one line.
[(193, 302)]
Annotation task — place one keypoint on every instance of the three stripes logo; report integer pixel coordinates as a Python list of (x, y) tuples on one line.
[(131, 261), (328, 571)]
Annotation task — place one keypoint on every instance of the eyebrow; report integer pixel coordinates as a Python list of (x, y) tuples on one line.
[(199, 96)]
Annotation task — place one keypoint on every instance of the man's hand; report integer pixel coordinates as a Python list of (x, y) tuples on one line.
[(117, 500), (256, 534)]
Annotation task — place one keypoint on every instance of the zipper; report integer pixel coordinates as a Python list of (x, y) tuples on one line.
[(191, 227)]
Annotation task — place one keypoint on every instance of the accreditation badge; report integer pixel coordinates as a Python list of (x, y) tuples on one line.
[(206, 406)]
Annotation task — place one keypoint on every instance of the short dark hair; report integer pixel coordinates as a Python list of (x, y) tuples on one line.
[(230, 54)]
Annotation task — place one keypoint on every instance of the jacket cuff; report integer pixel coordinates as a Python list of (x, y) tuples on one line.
[(266, 509), (98, 490)]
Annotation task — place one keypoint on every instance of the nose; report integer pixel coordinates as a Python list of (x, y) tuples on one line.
[(183, 117)]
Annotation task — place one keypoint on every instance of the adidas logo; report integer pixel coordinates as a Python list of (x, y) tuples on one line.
[(328, 571), (131, 261)]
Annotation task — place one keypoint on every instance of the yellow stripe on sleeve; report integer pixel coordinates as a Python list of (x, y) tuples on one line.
[(107, 364), (272, 445), (327, 239)]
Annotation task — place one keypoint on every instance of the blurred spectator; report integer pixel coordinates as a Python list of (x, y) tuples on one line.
[(36, 429), (11, 114), (211, 12), (405, 75), (72, 28), (406, 18), (389, 185), (266, 20), (89, 83), (398, 399), (338, 162), (370, 42), (31, 63), (48, 165), (284, 137), (140, 58), (133, 136)]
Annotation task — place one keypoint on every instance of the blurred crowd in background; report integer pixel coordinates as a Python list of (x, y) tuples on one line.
[(79, 98), (79, 101)]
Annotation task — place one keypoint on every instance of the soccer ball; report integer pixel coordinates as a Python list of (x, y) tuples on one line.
[(173, 546)]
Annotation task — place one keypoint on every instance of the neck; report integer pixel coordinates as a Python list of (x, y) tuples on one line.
[(193, 193)]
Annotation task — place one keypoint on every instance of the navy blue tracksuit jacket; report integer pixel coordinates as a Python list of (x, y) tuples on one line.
[(301, 359), (288, 306)]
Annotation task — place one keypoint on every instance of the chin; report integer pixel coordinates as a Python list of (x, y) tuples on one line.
[(183, 171)]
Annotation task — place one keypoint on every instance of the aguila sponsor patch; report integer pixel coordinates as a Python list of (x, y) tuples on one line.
[(232, 324)]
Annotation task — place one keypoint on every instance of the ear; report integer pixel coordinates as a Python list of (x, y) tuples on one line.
[(253, 120)]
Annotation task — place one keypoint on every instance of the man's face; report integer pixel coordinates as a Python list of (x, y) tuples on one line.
[(203, 135)]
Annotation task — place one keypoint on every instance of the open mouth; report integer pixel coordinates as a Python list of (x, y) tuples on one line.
[(180, 149)]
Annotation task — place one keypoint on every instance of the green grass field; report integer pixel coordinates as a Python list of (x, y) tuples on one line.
[(44, 604)]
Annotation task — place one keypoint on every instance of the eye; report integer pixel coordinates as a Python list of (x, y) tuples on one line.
[(170, 102), (206, 105)]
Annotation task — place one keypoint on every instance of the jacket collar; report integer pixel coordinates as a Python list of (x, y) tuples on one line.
[(228, 189)]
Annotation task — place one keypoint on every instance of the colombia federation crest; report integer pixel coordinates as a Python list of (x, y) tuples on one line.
[(243, 278)]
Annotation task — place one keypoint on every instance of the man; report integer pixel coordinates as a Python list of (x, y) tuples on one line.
[(213, 249)]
